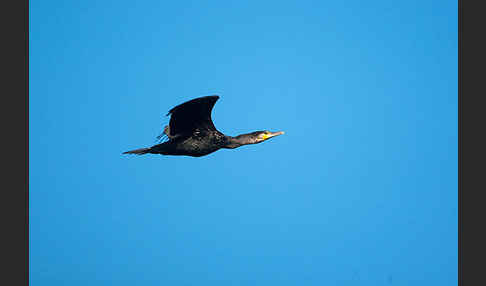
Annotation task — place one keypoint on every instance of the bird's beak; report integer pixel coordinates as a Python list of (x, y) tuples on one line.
[(273, 134)]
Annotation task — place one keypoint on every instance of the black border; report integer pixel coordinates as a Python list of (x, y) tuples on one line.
[(14, 118), (472, 143), (15, 153)]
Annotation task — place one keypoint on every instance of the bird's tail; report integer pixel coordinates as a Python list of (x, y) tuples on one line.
[(140, 151)]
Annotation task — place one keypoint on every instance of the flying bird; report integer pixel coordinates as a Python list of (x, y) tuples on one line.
[(191, 132)]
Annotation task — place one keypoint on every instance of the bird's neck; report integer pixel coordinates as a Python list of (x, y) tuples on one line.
[(237, 141)]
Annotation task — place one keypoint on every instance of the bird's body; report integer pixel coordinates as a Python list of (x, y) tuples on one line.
[(200, 143), (191, 132)]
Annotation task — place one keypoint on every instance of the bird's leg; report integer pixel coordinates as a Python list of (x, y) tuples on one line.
[(167, 131)]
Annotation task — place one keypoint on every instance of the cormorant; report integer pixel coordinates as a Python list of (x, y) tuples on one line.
[(191, 132)]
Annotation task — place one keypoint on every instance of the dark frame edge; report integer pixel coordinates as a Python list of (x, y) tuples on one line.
[(27, 236), (15, 146)]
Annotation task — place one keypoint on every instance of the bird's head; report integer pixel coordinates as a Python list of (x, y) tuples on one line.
[(256, 137), (265, 135)]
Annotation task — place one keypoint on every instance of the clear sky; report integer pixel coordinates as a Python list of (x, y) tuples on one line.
[(361, 189)]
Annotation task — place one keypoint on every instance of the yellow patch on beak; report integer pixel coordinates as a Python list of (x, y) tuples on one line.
[(265, 136)]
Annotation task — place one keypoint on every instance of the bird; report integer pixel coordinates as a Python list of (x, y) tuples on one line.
[(191, 132)]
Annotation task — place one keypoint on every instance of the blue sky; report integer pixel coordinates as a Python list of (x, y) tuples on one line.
[(361, 189)]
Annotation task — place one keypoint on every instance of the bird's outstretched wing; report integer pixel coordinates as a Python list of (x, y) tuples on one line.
[(191, 115)]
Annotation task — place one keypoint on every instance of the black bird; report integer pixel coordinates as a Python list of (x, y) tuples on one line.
[(191, 132)]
